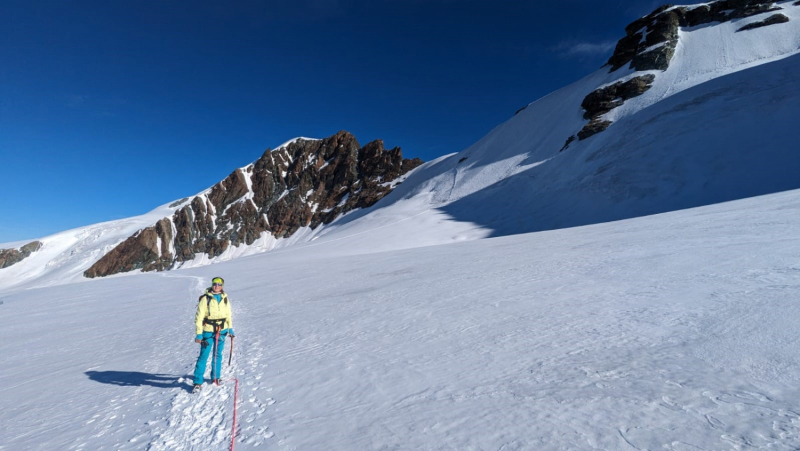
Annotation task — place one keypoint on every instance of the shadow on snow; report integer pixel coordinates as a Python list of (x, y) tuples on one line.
[(136, 379)]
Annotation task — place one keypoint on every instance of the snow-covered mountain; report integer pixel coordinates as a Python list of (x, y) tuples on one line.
[(696, 106), (298, 186), (674, 331)]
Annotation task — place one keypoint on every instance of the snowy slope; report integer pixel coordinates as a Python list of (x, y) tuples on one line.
[(675, 331), (64, 256), (717, 125)]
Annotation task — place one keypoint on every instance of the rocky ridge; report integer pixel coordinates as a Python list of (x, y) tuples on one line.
[(9, 257), (603, 100), (771, 20), (302, 184), (650, 43)]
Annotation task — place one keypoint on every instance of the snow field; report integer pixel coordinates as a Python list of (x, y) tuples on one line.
[(675, 331)]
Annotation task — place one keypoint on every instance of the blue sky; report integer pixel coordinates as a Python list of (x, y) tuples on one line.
[(109, 109)]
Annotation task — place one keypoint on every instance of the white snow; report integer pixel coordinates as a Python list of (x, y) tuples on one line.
[(674, 331), (292, 141), (403, 327), (64, 256), (654, 47)]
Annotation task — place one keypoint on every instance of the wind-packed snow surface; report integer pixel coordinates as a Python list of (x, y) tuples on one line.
[(676, 331)]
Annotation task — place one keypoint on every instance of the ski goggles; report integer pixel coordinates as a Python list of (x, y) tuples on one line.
[(218, 281)]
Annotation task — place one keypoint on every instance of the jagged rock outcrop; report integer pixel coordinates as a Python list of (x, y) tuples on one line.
[(603, 100), (304, 184), (650, 42), (9, 257), (771, 20), (592, 128)]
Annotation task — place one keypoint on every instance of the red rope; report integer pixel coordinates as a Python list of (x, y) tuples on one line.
[(235, 398)]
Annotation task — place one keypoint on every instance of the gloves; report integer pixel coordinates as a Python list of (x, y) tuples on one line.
[(231, 334)]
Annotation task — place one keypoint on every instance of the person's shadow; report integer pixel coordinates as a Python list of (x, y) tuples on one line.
[(136, 379)]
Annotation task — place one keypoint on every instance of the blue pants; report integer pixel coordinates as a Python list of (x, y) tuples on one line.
[(205, 351)]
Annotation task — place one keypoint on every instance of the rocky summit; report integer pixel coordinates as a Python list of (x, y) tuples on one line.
[(302, 184)]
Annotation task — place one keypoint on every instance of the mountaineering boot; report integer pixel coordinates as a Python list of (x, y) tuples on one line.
[(218, 381), (196, 388)]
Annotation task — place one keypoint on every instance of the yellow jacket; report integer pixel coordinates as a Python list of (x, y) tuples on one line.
[(212, 310)]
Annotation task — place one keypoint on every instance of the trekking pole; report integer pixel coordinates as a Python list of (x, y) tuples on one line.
[(231, 356), (214, 360)]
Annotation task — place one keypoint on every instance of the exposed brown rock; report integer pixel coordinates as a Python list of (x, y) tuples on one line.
[(148, 250), (230, 189), (9, 257), (304, 184), (134, 253), (771, 20)]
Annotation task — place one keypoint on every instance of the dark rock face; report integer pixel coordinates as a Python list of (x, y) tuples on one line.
[(650, 42), (603, 100), (9, 257), (592, 128), (771, 20), (567, 143), (305, 184)]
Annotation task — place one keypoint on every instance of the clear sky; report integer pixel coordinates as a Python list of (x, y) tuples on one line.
[(109, 109)]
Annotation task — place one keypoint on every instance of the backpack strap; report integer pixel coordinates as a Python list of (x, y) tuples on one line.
[(208, 310)]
